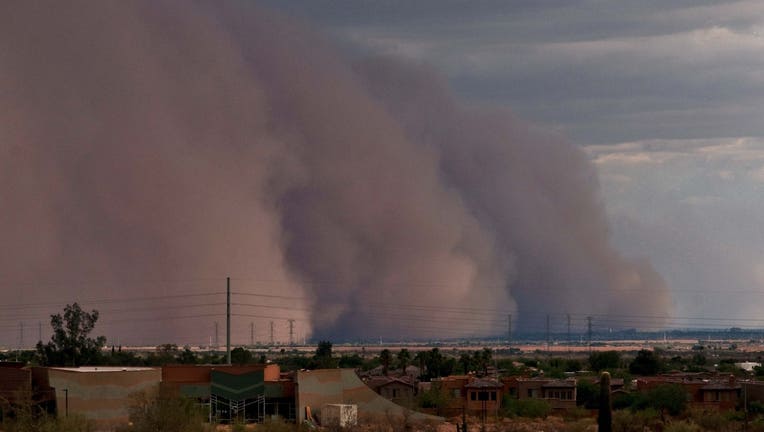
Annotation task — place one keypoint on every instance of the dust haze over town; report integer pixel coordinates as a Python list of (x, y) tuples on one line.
[(394, 170)]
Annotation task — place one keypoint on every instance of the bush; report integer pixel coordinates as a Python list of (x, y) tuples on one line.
[(24, 422), (278, 426), (712, 421), (756, 407), (681, 426), (630, 421), (587, 394), (623, 400), (577, 413), (668, 397), (530, 408), (580, 425), (154, 411)]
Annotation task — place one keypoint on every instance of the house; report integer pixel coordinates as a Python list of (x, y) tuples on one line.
[(399, 390), (466, 393), (483, 396), (560, 394), (703, 391), (454, 387)]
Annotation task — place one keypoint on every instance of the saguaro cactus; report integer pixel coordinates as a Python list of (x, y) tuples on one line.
[(605, 415)]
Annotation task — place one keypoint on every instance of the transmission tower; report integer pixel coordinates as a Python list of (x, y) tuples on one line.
[(291, 332)]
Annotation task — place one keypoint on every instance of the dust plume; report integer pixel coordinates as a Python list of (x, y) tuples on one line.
[(151, 148)]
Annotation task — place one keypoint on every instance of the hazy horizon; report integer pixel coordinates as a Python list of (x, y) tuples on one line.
[(379, 170)]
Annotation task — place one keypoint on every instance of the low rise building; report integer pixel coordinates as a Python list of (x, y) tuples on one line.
[(560, 394), (703, 391), (102, 394)]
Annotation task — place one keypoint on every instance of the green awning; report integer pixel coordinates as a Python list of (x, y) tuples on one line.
[(237, 387)]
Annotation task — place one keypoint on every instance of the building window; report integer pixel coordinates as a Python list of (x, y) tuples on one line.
[(395, 393), (473, 395), (493, 395)]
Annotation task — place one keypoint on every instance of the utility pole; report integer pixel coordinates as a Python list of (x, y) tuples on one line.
[(589, 332), (252, 334), (569, 341), (39, 331), (271, 333), (21, 335), (548, 347), (228, 319), (291, 332), (66, 399), (217, 344), (509, 332)]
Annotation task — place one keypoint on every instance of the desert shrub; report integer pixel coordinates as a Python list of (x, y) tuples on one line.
[(164, 411), (756, 407), (577, 413), (712, 421), (756, 426), (279, 426), (530, 408), (635, 421), (580, 425), (681, 426), (28, 421), (623, 400)]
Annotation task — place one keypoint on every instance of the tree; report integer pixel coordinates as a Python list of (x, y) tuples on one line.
[(465, 360), (70, 344), (436, 364), (671, 398), (436, 397), (187, 356), (604, 360), (483, 360), (645, 363), (404, 358), (324, 349), (385, 357), (323, 357), (240, 355)]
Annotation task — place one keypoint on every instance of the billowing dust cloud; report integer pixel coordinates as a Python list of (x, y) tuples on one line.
[(148, 149)]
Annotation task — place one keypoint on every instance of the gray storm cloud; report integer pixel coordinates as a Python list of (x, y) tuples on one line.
[(165, 140)]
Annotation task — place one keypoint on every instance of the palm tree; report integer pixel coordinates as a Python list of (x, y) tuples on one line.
[(385, 357), (404, 357)]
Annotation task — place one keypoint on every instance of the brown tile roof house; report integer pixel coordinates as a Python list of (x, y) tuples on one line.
[(560, 394), (484, 396), (399, 390), (717, 393)]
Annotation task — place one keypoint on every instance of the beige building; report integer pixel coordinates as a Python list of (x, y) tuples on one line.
[(102, 394)]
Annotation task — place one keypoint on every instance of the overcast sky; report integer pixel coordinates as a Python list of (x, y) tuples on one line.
[(666, 97)]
